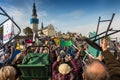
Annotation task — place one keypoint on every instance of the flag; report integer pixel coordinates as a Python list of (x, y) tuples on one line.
[(65, 43), (56, 40)]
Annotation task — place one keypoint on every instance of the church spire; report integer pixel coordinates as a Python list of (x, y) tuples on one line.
[(34, 10), (42, 25)]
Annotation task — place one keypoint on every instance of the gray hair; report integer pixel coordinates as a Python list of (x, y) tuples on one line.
[(92, 75)]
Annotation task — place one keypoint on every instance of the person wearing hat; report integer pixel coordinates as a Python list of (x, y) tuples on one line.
[(65, 71)]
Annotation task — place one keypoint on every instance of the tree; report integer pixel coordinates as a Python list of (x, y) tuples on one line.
[(27, 31), (1, 32)]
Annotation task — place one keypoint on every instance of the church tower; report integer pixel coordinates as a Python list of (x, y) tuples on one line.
[(34, 21)]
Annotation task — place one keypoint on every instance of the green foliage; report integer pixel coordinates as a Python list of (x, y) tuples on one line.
[(27, 31), (1, 30)]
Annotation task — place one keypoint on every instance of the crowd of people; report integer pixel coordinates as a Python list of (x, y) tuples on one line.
[(67, 62)]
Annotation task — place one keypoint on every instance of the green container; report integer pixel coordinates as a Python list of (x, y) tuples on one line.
[(30, 72), (92, 51)]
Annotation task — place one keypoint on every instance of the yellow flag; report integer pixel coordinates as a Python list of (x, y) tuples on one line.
[(56, 41), (18, 47)]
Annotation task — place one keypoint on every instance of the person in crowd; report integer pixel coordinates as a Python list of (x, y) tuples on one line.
[(7, 73), (12, 49), (95, 70), (112, 64), (22, 44), (53, 56), (5, 56), (65, 71), (45, 50), (8, 49), (78, 59), (17, 50), (19, 57), (2, 52), (10, 72)]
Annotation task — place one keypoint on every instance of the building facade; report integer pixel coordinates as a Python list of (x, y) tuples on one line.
[(48, 30)]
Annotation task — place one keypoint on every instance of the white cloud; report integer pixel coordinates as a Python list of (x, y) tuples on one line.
[(22, 16), (116, 25), (42, 14), (19, 16), (73, 14), (83, 29), (86, 28)]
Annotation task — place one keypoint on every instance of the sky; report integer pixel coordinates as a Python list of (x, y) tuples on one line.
[(80, 16)]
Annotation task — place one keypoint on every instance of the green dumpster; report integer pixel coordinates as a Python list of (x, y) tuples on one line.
[(35, 66)]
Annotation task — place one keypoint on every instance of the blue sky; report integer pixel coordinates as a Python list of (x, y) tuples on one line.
[(79, 16)]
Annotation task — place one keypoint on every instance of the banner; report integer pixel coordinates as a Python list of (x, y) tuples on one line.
[(7, 31), (65, 43)]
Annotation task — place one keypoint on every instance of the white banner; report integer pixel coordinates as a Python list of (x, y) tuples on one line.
[(7, 31)]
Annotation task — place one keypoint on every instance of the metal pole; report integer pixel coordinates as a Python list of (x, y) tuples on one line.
[(110, 23), (13, 22), (4, 21), (108, 35), (100, 34), (98, 26)]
